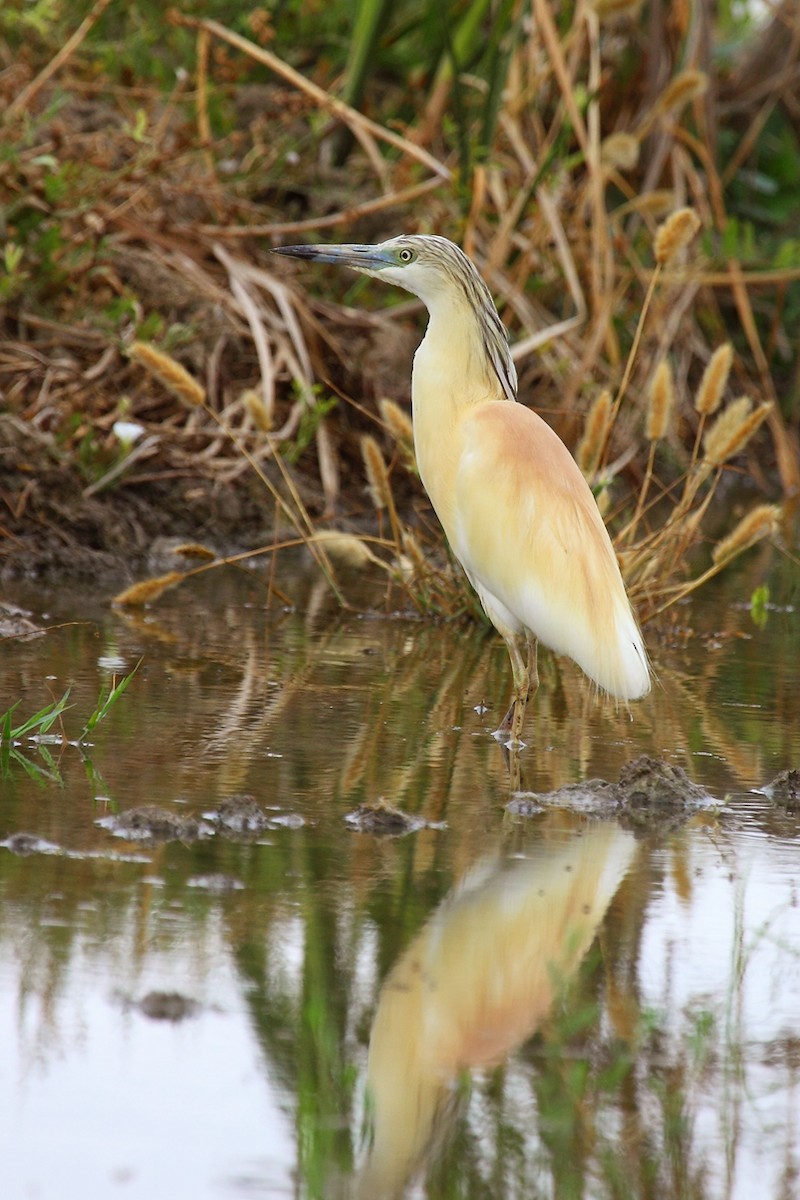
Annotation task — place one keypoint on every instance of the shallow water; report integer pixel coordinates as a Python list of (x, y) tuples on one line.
[(491, 1005)]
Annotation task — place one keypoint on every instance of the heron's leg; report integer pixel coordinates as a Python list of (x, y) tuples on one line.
[(520, 667)]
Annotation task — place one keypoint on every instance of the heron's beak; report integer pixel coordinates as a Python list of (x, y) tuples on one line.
[(360, 258)]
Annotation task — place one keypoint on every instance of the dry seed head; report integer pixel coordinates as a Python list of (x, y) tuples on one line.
[(761, 522), (348, 548), (194, 550), (679, 91), (661, 402), (732, 430), (620, 150), (655, 203), (715, 379), (397, 421), (675, 233), (257, 410), (149, 589), (414, 552), (595, 434), (174, 376), (377, 477)]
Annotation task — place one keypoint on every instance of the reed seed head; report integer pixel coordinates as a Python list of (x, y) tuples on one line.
[(732, 430), (620, 150), (661, 402), (398, 422), (759, 523), (346, 547), (675, 233), (595, 434), (686, 86), (257, 410), (377, 475), (714, 381), (147, 590), (172, 374)]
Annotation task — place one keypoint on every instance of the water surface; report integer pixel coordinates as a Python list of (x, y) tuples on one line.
[(490, 1005)]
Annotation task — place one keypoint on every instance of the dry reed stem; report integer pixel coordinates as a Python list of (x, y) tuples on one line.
[(21, 102), (343, 216), (785, 443), (351, 117), (178, 380)]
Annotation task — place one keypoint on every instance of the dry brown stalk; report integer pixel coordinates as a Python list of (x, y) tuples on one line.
[(21, 102), (355, 120), (178, 380)]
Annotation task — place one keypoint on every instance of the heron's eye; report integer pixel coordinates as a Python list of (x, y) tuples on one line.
[(406, 255)]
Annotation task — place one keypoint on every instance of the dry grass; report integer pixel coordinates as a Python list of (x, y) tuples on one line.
[(608, 206)]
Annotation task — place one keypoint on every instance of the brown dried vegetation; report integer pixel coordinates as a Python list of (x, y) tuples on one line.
[(597, 215)]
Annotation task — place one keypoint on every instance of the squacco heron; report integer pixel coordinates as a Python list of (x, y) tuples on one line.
[(515, 508)]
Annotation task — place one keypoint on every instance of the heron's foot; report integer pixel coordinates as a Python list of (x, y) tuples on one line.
[(509, 731)]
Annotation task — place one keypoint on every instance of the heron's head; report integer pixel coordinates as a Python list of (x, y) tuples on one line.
[(434, 269), (426, 265)]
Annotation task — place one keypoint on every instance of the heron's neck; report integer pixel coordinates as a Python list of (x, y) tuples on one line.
[(452, 368), (452, 372)]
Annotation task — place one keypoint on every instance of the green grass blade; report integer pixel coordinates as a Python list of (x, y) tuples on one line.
[(42, 720), (106, 702), (7, 732)]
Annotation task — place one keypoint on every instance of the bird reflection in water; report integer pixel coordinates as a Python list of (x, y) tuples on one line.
[(474, 984)]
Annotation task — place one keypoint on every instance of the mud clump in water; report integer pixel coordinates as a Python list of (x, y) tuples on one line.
[(784, 791), (239, 814), (150, 823), (24, 844), (162, 1006), (381, 818), (650, 794)]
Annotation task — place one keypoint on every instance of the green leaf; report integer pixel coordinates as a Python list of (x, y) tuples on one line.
[(106, 702)]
